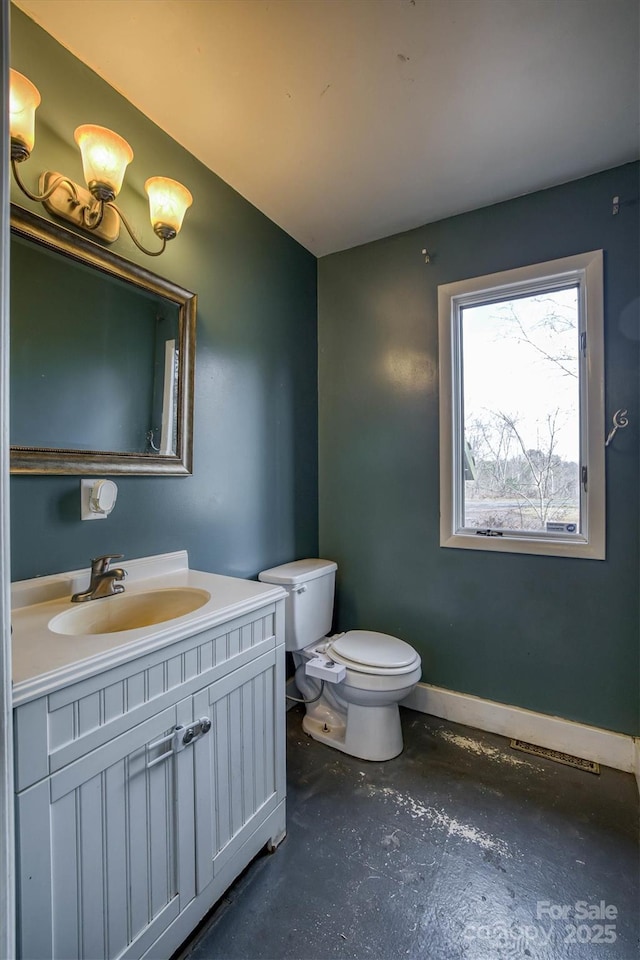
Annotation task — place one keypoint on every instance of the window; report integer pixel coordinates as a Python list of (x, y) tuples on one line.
[(522, 410)]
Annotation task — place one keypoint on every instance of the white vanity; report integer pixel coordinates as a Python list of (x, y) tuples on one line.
[(150, 761)]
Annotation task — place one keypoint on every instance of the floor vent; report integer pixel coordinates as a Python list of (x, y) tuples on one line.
[(589, 766)]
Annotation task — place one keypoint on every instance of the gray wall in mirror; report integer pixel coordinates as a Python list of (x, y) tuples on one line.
[(87, 355)]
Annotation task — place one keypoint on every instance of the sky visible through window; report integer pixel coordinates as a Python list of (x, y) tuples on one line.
[(521, 402)]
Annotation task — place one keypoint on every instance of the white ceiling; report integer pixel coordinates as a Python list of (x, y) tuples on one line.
[(349, 120)]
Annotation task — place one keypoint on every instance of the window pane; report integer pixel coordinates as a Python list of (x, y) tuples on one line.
[(521, 413)]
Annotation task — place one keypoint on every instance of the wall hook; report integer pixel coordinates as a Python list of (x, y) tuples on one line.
[(150, 438), (620, 421), (427, 256)]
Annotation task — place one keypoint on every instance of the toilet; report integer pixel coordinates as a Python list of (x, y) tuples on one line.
[(366, 674)]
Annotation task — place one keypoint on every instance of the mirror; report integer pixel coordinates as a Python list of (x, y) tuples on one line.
[(102, 359)]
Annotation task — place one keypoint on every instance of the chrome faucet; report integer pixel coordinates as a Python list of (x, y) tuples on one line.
[(103, 579)]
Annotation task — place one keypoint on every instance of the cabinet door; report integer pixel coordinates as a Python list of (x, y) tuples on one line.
[(239, 764), (98, 849)]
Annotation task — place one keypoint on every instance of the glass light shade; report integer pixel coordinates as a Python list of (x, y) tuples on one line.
[(168, 203), (23, 100), (105, 156)]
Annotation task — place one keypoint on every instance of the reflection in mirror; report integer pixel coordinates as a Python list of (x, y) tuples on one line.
[(101, 359)]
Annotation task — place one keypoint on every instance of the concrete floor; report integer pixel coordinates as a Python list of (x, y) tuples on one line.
[(459, 848)]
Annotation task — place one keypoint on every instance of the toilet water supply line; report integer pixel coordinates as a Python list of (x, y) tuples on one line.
[(302, 700), (321, 667)]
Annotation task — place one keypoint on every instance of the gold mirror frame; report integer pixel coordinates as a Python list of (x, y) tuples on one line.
[(49, 460)]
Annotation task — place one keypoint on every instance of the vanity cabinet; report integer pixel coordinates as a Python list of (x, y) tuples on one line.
[(144, 790)]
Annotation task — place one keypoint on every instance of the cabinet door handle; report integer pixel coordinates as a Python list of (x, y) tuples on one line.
[(179, 738)]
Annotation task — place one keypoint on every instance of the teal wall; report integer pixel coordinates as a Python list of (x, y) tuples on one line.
[(551, 634), (252, 499)]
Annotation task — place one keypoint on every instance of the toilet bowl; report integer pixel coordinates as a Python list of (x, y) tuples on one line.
[(359, 714)]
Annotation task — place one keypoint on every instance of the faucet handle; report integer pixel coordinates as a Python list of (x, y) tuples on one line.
[(101, 564)]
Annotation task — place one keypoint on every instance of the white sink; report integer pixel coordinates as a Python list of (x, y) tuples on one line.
[(129, 611)]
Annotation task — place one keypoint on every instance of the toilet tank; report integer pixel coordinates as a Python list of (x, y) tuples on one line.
[(310, 586)]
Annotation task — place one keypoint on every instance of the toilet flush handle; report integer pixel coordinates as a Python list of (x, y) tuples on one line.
[(301, 588)]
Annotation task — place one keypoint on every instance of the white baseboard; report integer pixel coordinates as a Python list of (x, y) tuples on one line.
[(591, 743)]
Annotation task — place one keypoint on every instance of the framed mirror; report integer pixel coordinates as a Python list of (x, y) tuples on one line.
[(102, 359)]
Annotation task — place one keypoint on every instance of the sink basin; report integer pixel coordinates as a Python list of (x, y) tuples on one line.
[(129, 611)]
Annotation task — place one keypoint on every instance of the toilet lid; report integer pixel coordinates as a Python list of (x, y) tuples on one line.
[(368, 649)]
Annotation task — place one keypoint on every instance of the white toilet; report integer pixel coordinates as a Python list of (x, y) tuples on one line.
[(359, 714)]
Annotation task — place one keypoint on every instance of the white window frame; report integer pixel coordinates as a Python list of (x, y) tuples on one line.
[(585, 270)]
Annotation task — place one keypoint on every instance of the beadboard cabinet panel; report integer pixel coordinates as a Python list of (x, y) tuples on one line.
[(55, 730), (236, 765), (123, 848), (108, 825)]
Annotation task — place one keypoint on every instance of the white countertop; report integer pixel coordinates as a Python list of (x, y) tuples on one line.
[(44, 661)]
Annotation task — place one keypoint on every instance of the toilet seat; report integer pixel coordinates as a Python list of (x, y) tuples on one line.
[(365, 651)]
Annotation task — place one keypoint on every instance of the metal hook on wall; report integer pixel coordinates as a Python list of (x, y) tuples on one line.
[(150, 437), (620, 421)]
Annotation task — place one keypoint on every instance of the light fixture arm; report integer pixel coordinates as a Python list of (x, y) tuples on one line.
[(129, 229), (88, 210), (40, 197), (92, 216)]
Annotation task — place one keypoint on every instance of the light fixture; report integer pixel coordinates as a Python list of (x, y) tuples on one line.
[(105, 156)]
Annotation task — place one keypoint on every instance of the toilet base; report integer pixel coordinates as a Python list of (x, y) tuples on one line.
[(370, 733)]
